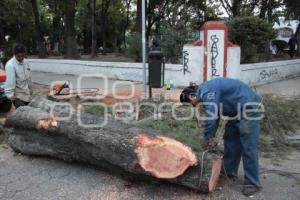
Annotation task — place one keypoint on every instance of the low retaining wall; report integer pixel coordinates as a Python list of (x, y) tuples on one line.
[(113, 70), (262, 73), (253, 74)]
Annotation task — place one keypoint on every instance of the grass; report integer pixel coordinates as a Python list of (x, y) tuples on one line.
[(282, 120), (186, 132)]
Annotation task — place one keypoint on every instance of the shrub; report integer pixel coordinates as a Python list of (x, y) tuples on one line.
[(252, 34), (171, 42)]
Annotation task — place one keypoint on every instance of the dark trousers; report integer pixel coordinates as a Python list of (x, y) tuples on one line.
[(19, 103), (241, 140), (292, 53)]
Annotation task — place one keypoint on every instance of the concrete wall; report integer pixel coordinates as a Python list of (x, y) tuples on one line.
[(113, 70), (233, 59), (182, 75), (262, 73)]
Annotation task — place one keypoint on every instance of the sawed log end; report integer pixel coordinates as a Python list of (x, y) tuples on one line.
[(163, 157)]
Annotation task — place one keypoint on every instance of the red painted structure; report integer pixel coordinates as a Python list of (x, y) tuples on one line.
[(215, 25)]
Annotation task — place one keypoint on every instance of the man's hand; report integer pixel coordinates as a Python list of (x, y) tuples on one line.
[(209, 144)]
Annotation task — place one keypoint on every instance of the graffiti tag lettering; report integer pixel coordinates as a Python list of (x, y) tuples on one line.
[(214, 55), (268, 74), (185, 62)]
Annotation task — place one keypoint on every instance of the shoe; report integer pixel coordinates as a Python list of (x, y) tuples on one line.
[(249, 190)]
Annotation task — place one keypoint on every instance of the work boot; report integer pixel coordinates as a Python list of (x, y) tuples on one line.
[(249, 190)]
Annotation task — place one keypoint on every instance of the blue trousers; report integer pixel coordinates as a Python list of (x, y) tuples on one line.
[(241, 140)]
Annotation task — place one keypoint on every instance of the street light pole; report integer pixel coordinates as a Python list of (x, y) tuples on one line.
[(144, 46), (94, 39)]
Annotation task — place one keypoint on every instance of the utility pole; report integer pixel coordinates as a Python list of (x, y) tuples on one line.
[(144, 46), (94, 38)]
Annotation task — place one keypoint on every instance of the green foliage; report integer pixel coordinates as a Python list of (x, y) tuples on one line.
[(293, 7), (252, 34), (17, 21), (134, 46), (96, 110), (171, 42), (170, 20)]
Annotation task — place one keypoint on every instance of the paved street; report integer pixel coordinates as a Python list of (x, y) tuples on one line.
[(33, 178)]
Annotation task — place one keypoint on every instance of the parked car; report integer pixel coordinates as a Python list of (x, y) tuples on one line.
[(5, 103)]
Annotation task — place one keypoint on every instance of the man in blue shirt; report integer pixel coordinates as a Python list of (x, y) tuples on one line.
[(236, 100)]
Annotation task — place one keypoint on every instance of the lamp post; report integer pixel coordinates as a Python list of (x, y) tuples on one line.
[(144, 46)]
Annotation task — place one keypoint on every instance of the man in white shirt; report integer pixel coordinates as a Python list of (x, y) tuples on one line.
[(18, 81)]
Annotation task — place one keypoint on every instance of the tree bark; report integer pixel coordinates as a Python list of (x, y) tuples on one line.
[(2, 36), (33, 131), (236, 8), (128, 3), (42, 52), (71, 50), (138, 24), (94, 38)]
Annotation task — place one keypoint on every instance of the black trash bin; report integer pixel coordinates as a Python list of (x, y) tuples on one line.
[(5, 103), (156, 69)]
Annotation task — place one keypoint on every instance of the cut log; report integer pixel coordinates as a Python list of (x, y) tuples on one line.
[(34, 131)]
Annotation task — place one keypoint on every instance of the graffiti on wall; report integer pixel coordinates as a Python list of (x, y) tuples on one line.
[(214, 55), (271, 73), (186, 62)]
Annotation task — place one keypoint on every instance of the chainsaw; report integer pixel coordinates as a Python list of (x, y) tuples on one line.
[(63, 88)]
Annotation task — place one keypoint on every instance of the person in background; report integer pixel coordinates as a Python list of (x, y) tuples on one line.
[(18, 80), (293, 43)]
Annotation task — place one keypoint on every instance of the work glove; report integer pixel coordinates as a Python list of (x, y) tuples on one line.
[(212, 146)]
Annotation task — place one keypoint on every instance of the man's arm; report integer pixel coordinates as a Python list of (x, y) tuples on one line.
[(10, 84), (211, 103)]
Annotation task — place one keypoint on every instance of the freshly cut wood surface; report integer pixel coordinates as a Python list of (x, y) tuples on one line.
[(164, 157), (39, 130)]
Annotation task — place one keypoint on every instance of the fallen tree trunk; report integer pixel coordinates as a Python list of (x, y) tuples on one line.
[(34, 131)]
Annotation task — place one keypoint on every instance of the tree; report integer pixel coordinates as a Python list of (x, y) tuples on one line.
[(172, 11), (17, 24), (138, 22), (252, 34), (71, 50), (293, 8), (42, 53), (56, 9), (232, 7), (127, 6), (267, 8)]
